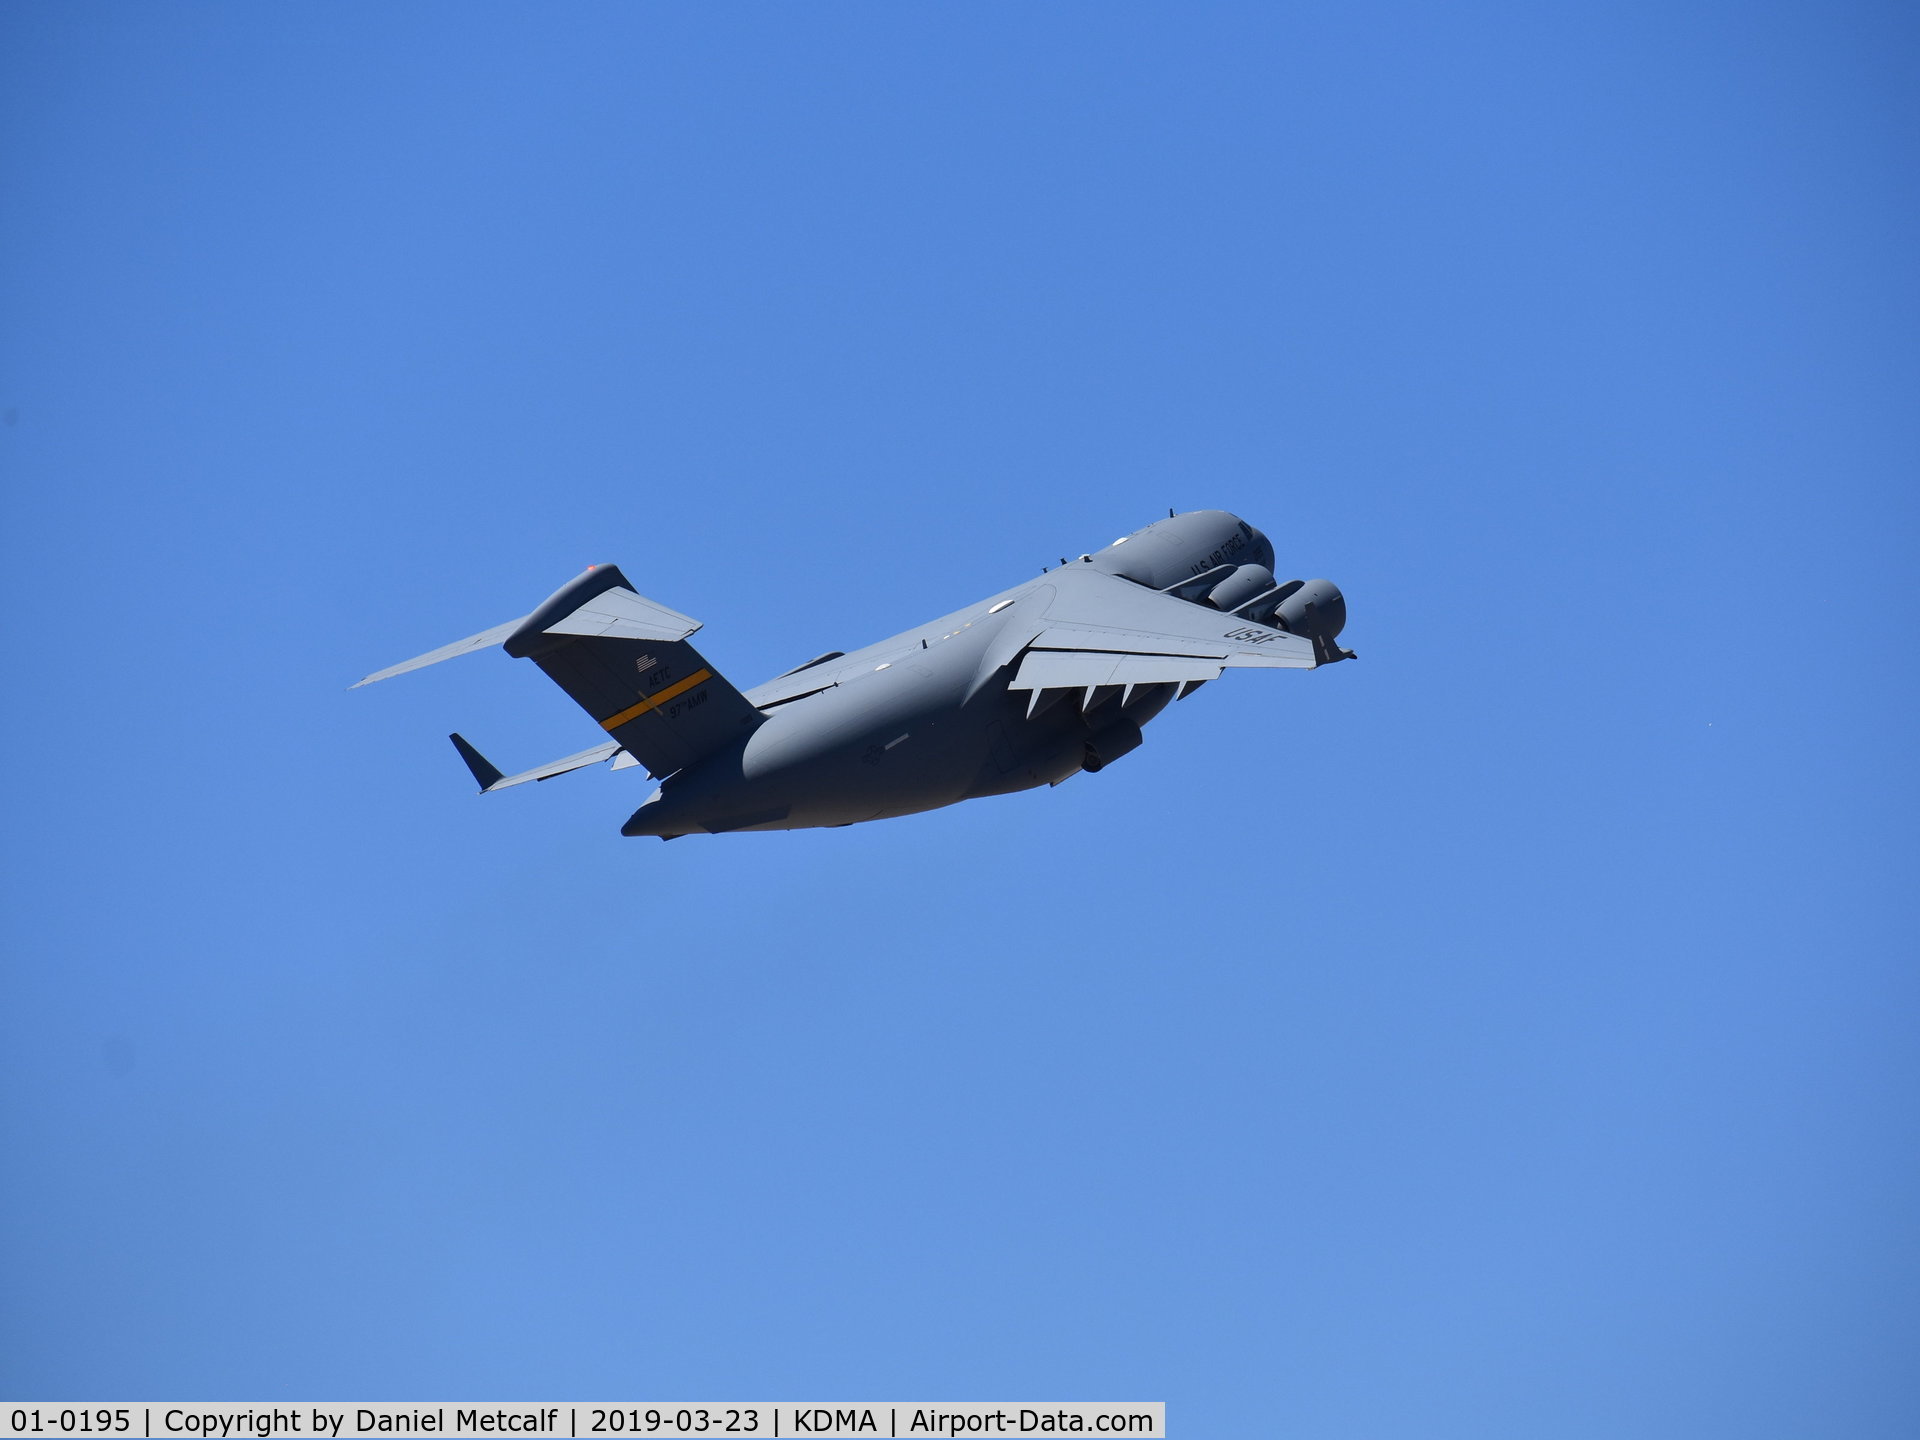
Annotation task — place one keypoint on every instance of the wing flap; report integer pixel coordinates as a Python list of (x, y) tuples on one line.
[(1079, 669)]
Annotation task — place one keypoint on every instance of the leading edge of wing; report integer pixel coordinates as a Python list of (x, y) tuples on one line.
[(1244, 646)]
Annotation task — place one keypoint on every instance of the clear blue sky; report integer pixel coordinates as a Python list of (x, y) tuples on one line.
[(1510, 1034)]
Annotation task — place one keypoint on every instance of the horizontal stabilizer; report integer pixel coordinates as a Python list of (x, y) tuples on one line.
[(490, 778), (446, 652), (620, 614)]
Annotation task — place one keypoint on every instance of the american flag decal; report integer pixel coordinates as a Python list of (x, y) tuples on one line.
[(645, 663)]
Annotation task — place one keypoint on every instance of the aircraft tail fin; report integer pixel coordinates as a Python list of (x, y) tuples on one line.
[(625, 660)]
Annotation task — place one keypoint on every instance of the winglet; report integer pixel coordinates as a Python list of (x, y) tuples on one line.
[(483, 769)]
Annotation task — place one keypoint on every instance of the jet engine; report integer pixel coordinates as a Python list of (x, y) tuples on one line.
[(1242, 585), (1317, 611)]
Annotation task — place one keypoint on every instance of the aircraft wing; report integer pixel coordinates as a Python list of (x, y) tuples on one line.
[(1103, 630)]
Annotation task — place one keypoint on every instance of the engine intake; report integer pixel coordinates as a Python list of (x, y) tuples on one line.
[(1316, 610)]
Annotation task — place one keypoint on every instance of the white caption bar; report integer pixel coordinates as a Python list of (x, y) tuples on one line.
[(764, 1420)]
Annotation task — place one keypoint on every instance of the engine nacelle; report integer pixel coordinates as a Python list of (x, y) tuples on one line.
[(1316, 610), (1241, 586)]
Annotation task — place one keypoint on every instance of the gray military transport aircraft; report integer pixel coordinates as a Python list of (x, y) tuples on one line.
[(1020, 689)]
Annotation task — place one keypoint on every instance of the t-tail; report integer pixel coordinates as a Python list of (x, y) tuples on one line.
[(625, 660)]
